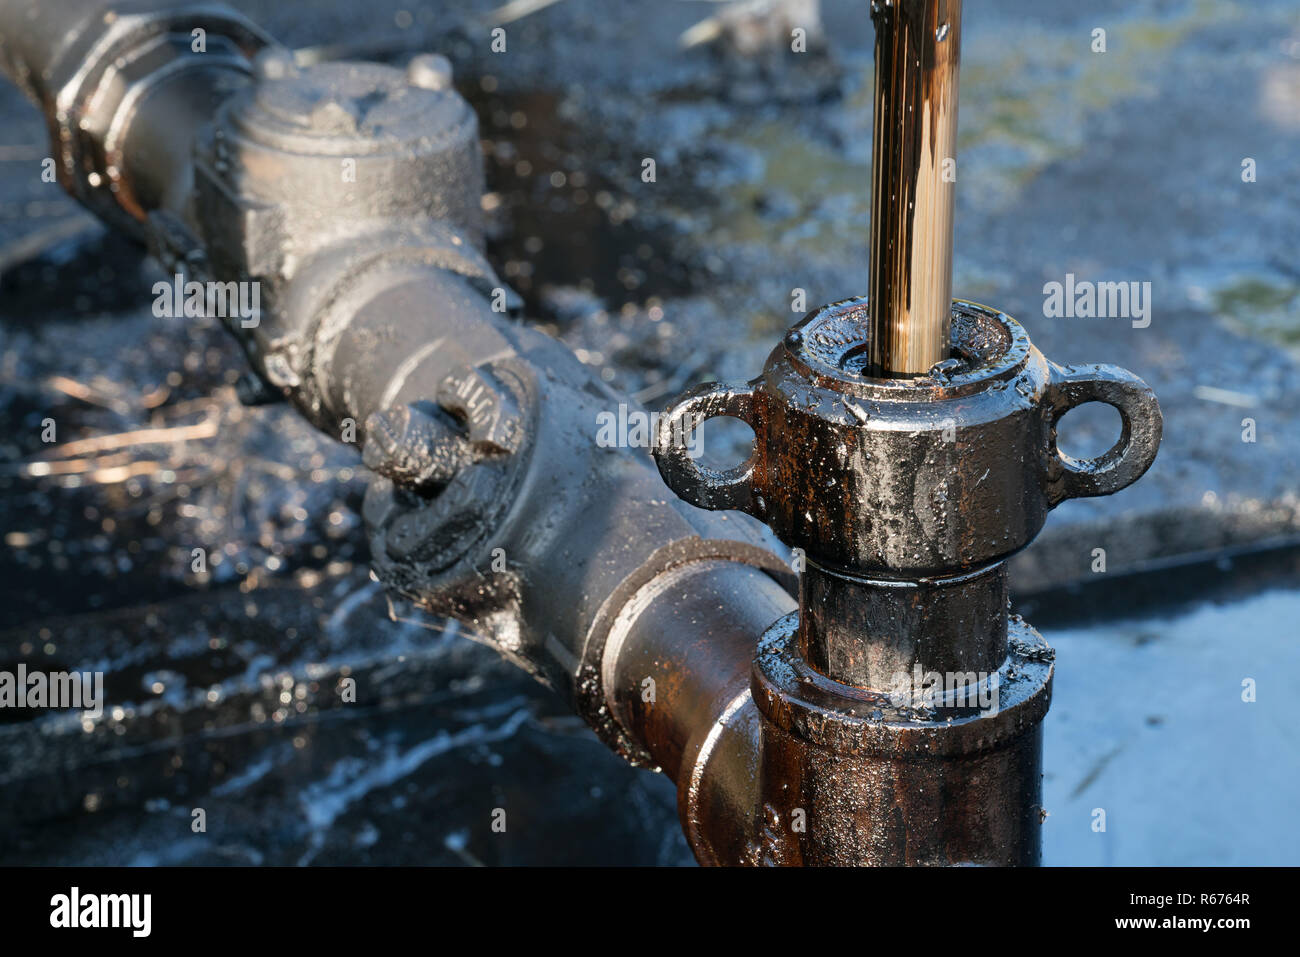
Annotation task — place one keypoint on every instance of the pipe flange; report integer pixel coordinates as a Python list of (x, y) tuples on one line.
[(848, 720), (101, 79)]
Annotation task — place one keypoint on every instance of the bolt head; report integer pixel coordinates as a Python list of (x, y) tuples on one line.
[(430, 71), (335, 116), (274, 63)]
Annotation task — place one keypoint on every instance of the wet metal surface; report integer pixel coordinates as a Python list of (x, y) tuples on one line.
[(1048, 128), (894, 492)]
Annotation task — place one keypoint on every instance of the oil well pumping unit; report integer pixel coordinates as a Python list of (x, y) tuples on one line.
[(904, 443)]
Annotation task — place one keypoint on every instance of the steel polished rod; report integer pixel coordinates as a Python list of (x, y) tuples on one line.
[(913, 173)]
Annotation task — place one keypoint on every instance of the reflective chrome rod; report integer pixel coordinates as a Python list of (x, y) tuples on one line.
[(913, 182)]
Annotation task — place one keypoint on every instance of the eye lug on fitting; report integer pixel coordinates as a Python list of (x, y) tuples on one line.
[(934, 475), (702, 486), (1141, 427)]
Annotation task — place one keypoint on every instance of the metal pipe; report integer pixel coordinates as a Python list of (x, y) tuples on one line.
[(913, 173), (669, 682), (125, 87), (897, 711), (494, 501), (866, 631)]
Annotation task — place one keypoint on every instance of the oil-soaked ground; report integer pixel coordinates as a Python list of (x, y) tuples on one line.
[(223, 683)]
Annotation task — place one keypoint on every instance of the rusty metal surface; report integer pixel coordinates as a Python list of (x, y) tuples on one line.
[(673, 667), (923, 476), (884, 783), (902, 499), (868, 630), (481, 431)]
